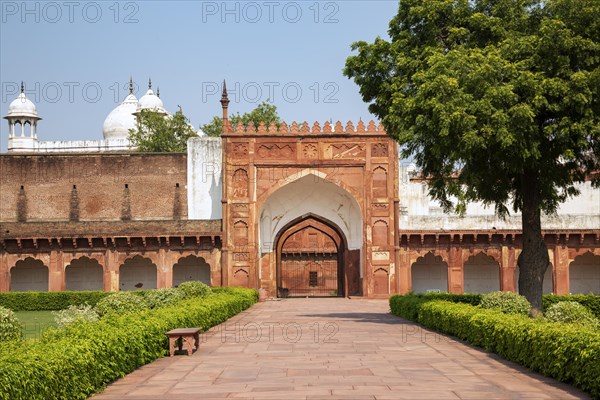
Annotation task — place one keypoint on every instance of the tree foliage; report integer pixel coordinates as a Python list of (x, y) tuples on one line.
[(264, 112), (157, 133), (497, 101)]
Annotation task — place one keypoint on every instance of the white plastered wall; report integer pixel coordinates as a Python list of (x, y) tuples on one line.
[(204, 183), (419, 211)]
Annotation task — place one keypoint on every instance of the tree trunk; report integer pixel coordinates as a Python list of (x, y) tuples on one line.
[(534, 259)]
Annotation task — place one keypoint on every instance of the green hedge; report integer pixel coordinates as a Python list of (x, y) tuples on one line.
[(77, 361), (591, 301), (565, 352), (48, 301)]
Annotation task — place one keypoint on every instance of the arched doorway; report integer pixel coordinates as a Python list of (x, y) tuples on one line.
[(191, 268), (584, 274), (84, 274), (310, 259), (481, 274), (429, 274), (137, 273), (29, 275)]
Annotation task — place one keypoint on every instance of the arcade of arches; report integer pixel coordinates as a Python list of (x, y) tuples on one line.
[(305, 271), (90, 272)]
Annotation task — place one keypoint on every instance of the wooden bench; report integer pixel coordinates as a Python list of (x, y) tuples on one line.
[(186, 335)]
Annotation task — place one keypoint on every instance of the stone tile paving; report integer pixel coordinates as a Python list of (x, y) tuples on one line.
[(332, 349)]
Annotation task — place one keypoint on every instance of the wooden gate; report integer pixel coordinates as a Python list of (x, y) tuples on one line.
[(310, 262)]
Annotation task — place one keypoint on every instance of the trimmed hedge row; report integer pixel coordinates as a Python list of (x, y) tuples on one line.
[(49, 301), (591, 301), (565, 352), (80, 359)]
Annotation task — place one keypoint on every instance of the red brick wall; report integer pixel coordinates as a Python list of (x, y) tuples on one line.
[(48, 187)]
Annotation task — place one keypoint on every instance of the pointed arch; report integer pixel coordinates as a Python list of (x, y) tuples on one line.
[(84, 273), (380, 233), (310, 258), (429, 273), (481, 274), (191, 268), (379, 185), (28, 275), (584, 274), (136, 273)]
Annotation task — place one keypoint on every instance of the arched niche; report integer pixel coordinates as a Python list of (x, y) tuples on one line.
[(137, 273), (584, 274), (29, 275), (429, 273), (191, 268), (481, 274), (84, 274)]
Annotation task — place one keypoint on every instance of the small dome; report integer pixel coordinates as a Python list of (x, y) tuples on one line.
[(150, 101), (22, 107), (120, 120)]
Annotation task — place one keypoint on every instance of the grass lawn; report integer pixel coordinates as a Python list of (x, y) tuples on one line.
[(34, 322)]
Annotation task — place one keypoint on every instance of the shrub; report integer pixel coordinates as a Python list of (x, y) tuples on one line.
[(590, 301), (49, 301), (78, 360), (82, 312), (507, 302), (162, 297), (10, 327), (120, 302), (193, 289), (572, 312), (406, 306)]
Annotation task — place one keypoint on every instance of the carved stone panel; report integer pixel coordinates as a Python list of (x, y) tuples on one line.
[(381, 256), (239, 150), (379, 150), (310, 151), (345, 151), (276, 151), (240, 183), (380, 209)]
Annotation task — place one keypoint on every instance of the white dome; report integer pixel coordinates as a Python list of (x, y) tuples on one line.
[(120, 120), (22, 107), (151, 102)]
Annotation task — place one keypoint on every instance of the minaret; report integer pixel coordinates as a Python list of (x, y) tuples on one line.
[(225, 105), (22, 111)]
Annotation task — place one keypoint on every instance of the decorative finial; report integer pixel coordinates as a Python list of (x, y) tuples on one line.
[(22, 87), (130, 85), (224, 97), (158, 92), (149, 83)]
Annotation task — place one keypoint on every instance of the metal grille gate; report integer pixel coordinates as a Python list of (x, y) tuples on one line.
[(309, 274)]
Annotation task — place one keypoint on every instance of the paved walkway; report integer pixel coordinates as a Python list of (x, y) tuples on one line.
[(332, 349)]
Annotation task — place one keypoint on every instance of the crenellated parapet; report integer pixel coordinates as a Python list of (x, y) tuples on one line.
[(305, 128)]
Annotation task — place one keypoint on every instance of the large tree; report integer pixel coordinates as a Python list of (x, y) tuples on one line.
[(264, 112), (498, 101), (156, 132)]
